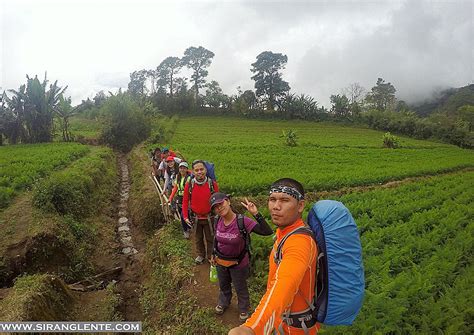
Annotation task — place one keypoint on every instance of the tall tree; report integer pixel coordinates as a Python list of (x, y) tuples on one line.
[(198, 59), (136, 86), (268, 78), (214, 96), (382, 95), (167, 70), (340, 105)]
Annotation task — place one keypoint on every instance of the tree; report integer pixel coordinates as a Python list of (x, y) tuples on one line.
[(136, 86), (382, 96), (250, 99), (268, 80), (64, 111), (300, 106), (166, 72), (198, 59), (214, 96), (355, 93), (32, 108), (126, 123), (466, 113), (340, 105)]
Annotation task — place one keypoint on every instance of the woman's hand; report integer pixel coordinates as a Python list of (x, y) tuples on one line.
[(250, 206)]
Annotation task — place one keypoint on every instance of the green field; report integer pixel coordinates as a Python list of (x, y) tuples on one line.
[(250, 154), (418, 247), (22, 165), (89, 128), (417, 237)]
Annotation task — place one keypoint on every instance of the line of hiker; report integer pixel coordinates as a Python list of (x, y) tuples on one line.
[(315, 268)]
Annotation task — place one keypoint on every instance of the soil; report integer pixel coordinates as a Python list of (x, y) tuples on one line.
[(207, 293)]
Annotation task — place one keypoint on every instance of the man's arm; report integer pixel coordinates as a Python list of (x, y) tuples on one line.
[(298, 252)]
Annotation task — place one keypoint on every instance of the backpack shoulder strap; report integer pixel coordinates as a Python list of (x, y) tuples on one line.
[(214, 240), (190, 190), (240, 224), (300, 230), (210, 182)]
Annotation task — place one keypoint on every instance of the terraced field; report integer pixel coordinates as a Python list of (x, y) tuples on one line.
[(22, 165)]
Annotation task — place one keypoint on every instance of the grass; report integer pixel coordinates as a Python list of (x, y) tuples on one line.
[(61, 241), (22, 165), (249, 154)]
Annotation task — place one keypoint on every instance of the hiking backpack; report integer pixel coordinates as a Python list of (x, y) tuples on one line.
[(210, 170), (340, 283), (243, 233)]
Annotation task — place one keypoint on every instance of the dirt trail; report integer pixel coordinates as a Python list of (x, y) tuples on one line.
[(132, 246), (207, 293)]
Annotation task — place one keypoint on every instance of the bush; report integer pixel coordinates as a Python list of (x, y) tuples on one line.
[(73, 191), (390, 141), (126, 123), (290, 137)]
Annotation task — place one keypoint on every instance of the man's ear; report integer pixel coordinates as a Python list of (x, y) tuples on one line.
[(301, 204)]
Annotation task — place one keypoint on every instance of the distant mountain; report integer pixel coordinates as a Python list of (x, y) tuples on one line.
[(447, 101)]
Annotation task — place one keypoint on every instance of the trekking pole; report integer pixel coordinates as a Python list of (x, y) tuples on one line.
[(164, 208)]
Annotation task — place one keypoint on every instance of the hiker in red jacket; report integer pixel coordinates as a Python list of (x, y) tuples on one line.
[(197, 210)]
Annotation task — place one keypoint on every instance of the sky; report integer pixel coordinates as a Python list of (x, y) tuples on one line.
[(418, 46)]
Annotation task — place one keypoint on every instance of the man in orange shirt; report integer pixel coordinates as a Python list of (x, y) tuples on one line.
[(284, 308)]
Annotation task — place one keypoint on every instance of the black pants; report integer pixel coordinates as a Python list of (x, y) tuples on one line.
[(238, 277)]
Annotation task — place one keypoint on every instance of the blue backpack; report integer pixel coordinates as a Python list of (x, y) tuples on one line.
[(340, 272), (211, 172)]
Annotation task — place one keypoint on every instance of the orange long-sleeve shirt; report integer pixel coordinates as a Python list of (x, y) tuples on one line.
[(289, 284)]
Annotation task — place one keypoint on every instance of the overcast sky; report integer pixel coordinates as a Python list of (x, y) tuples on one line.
[(90, 46)]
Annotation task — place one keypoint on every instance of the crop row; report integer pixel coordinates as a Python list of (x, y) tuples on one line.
[(236, 131), (418, 243), (22, 165), (418, 247), (250, 170)]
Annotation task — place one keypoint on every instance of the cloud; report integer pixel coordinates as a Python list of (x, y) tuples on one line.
[(94, 45)]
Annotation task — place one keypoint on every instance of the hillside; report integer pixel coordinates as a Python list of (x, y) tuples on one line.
[(448, 101)]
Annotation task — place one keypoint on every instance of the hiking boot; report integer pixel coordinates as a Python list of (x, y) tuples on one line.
[(219, 310), (199, 260), (243, 316), (186, 235)]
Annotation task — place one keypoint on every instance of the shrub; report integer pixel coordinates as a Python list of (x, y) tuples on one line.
[(390, 141), (73, 191), (290, 137), (126, 123)]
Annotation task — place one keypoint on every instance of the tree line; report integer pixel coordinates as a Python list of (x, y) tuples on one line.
[(34, 112), (378, 107)]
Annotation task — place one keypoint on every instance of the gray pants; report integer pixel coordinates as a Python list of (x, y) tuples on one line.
[(238, 277)]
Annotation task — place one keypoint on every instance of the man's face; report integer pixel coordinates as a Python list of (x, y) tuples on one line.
[(157, 155), (166, 154), (199, 171), (284, 209)]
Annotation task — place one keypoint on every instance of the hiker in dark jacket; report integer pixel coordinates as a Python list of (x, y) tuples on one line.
[(231, 250), (197, 210)]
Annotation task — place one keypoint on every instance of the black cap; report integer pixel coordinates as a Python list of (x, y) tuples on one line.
[(218, 198)]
